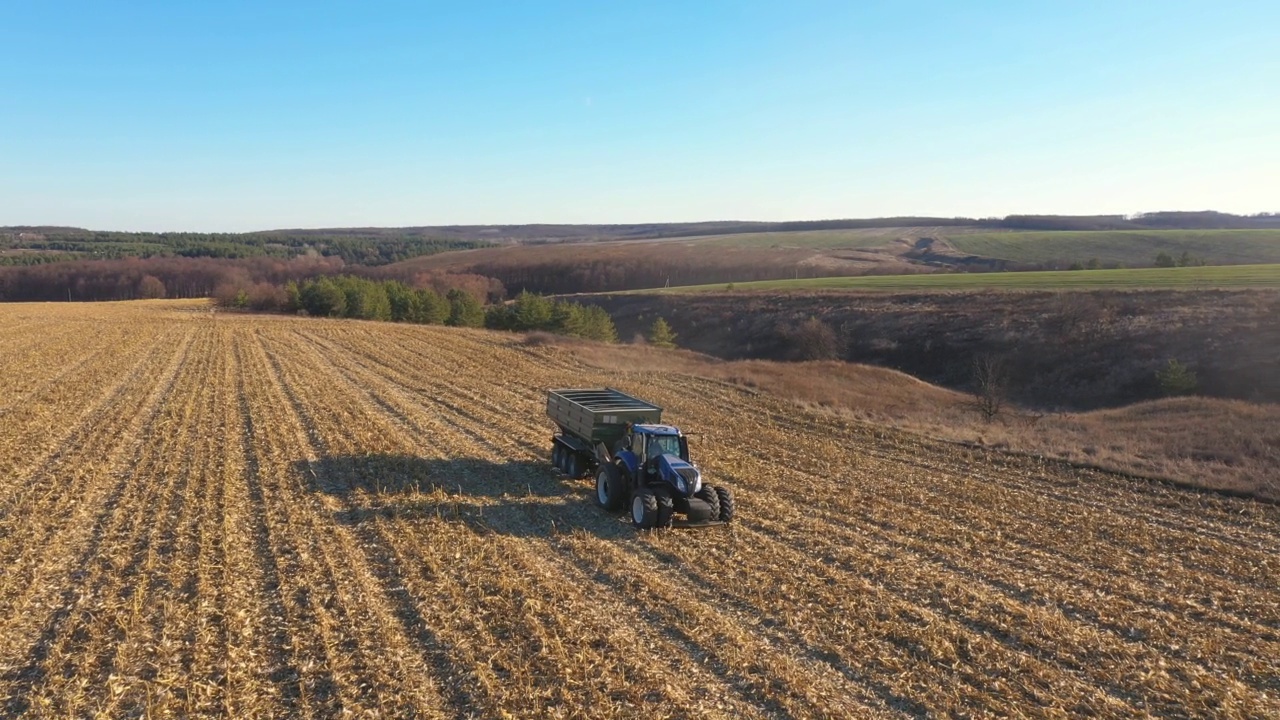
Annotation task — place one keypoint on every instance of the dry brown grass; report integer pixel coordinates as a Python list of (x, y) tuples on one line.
[(1224, 445), (254, 516)]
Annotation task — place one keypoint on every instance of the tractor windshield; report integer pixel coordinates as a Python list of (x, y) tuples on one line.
[(664, 445)]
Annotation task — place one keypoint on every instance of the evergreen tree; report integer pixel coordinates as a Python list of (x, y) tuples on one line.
[(499, 317), (531, 312), (567, 318), (661, 335), (464, 310), (430, 308), (597, 325), (401, 299), (323, 298)]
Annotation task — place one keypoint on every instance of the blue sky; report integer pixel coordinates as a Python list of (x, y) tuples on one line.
[(254, 115)]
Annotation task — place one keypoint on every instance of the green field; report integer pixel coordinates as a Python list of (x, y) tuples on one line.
[(1188, 278), (852, 239), (1128, 247)]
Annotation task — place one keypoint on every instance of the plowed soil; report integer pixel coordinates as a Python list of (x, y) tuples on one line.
[(274, 517)]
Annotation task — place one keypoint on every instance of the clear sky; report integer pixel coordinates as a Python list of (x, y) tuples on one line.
[(252, 115)]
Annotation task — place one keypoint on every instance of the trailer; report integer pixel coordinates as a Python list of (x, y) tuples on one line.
[(637, 461)]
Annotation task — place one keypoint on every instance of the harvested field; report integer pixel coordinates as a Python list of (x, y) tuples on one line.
[(268, 516)]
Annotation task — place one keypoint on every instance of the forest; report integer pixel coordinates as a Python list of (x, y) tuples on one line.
[(41, 245)]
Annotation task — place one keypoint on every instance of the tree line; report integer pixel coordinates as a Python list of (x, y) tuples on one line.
[(260, 279), (371, 248), (349, 296)]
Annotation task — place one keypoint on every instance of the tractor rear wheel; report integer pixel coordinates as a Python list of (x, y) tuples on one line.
[(726, 503), (666, 508), (707, 494), (610, 493), (644, 509)]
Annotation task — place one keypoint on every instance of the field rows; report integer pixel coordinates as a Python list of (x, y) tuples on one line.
[(276, 517)]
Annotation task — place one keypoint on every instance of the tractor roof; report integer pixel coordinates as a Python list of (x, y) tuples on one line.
[(656, 429)]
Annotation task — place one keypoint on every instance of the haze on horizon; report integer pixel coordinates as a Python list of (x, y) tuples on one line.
[(248, 116)]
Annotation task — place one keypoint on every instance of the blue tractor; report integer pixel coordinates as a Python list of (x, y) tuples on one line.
[(637, 462)]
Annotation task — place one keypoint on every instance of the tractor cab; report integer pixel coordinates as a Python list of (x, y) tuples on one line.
[(659, 454), (649, 442)]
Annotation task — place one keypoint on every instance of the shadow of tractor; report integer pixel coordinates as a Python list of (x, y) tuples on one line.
[(511, 497)]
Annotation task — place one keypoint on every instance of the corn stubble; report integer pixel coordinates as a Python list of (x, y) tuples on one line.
[(277, 517)]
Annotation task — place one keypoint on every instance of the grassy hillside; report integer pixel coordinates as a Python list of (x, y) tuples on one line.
[(1191, 278), (1130, 247)]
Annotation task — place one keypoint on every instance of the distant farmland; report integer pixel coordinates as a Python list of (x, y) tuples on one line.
[(1128, 247), (842, 239), (1197, 278)]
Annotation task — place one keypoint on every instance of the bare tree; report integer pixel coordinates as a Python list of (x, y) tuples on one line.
[(990, 385)]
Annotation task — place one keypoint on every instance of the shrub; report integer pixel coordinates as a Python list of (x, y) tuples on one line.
[(539, 338), (231, 295), (812, 339), (1176, 379), (265, 297)]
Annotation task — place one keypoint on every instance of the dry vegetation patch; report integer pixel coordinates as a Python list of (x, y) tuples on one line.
[(207, 515)]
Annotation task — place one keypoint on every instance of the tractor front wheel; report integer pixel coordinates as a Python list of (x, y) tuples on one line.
[(644, 509), (726, 503), (707, 494), (666, 507)]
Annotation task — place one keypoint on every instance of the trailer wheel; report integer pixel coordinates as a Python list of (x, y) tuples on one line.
[(644, 509), (610, 493), (557, 456), (726, 503), (571, 467), (707, 494), (666, 508)]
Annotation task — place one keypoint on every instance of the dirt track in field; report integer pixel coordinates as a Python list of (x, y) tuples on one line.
[(263, 516)]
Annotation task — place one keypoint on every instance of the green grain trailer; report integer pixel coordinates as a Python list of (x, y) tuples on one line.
[(620, 439)]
